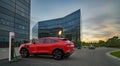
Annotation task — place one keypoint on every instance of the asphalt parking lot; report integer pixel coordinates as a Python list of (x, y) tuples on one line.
[(81, 57)]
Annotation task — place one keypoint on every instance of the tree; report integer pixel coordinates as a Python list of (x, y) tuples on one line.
[(113, 42), (101, 43)]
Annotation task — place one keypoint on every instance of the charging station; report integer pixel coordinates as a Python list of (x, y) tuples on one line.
[(11, 46)]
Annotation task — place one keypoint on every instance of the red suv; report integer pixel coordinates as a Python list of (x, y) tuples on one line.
[(58, 47)]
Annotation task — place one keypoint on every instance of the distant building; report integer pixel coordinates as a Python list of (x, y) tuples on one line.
[(14, 17), (68, 25)]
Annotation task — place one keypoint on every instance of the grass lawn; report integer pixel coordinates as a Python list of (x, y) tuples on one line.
[(117, 54)]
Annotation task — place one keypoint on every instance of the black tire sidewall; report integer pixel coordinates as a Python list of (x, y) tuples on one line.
[(27, 54), (61, 55)]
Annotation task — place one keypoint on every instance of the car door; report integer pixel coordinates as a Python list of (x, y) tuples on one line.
[(39, 45), (48, 45), (32, 48), (43, 46)]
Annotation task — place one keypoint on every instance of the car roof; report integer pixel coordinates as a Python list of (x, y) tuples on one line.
[(50, 37)]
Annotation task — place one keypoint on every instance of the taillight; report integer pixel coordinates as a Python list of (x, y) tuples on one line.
[(69, 45)]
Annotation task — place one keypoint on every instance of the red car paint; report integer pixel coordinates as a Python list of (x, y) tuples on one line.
[(48, 44)]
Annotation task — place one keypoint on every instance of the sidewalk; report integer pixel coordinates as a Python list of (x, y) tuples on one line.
[(4, 53)]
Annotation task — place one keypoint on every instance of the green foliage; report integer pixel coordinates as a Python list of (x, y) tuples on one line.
[(101, 43), (89, 43), (77, 43), (113, 42), (33, 40)]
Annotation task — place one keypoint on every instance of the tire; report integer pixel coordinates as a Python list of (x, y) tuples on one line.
[(24, 53), (57, 54)]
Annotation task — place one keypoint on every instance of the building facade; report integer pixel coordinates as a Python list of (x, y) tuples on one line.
[(68, 25), (14, 17)]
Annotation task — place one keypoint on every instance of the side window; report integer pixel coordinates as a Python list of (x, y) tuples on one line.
[(53, 41), (47, 41), (36, 41), (40, 41)]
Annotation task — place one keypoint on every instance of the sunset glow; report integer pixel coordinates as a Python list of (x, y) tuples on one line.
[(100, 19)]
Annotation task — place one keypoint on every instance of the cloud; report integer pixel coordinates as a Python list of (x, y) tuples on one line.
[(103, 24), (102, 29), (100, 18)]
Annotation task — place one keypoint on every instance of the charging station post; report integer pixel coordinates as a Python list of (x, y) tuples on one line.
[(11, 46)]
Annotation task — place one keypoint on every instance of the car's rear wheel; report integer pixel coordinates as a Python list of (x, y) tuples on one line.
[(24, 53), (57, 54)]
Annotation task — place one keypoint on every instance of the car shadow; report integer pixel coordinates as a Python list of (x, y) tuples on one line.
[(49, 57), (41, 57)]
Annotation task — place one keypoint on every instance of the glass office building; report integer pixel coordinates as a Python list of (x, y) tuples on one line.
[(14, 17), (68, 25)]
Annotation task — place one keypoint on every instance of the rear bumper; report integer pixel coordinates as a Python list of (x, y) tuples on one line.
[(69, 52)]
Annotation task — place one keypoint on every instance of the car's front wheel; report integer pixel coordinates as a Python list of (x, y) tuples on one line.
[(57, 54), (24, 53)]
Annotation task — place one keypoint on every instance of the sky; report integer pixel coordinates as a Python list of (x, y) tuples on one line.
[(100, 19)]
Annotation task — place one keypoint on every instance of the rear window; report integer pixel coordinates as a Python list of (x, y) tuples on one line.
[(64, 39)]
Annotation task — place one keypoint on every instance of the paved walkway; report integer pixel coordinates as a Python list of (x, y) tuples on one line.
[(4, 53)]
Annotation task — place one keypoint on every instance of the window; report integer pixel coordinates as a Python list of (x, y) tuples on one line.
[(53, 41), (47, 41), (22, 4), (50, 41), (9, 2), (21, 22), (40, 41), (5, 5), (6, 11), (7, 17)]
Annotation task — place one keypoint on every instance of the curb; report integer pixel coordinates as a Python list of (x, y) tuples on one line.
[(3, 59), (108, 54), (18, 57), (16, 53)]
